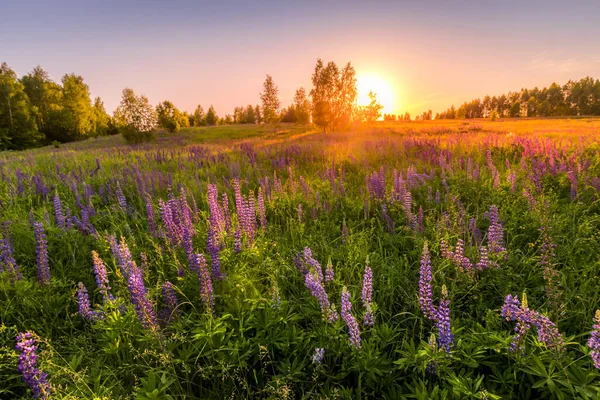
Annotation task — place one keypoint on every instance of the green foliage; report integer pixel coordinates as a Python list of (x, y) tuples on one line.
[(169, 117), (270, 101), (135, 118), (211, 116)]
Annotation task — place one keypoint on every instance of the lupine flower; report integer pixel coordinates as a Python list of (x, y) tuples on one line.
[(32, 376), (546, 262), (122, 255), (275, 295), (367, 296), (237, 240), (212, 248), (431, 368), (594, 341), (41, 249), (525, 318), (121, 197), (150, 215), (353, 330), (345, 233), (315, 285), (139, 297), (329, 274), (101, 277), (425, 290), (58, 212), (442, 322), (574, 184), (171, 310), (7, 261), (386, 217), (300, 213), (317, 358), (261, 209), (85, 307), (495, 233), (206, 288)]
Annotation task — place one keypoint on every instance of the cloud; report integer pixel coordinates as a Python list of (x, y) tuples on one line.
[(562, 65)]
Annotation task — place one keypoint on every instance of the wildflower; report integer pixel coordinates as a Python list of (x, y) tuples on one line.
[(7, 260), (41, 249), (594, 341), (85, 308), (425, 290), (314, 284), (101, 277), (495, 233), (58, 212), (367, 295), (353, 331), (442, 322), (206, 288), (172, 304), (329, 274), (139, 297), (317, 358), (27, 365)]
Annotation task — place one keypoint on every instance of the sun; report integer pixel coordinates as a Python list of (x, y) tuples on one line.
[(371, 82)]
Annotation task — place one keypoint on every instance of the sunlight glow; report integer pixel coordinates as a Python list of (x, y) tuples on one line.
[(381, 87)]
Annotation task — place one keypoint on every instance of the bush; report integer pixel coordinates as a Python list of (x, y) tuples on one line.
[(133, 136), (494, 116)]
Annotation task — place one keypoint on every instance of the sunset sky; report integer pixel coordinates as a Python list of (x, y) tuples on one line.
[(430, 53)]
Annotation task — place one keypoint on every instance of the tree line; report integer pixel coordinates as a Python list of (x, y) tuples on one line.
[(34, 110), (575, 98)]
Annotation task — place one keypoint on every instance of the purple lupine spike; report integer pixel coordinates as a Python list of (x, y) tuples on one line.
[(300, 213), (574, 184), (312, 282), (121, 197), (212, 247), (237, 240), (275, 295), (329, 273), (150, 215), (261, 209), (513, 310), (345, 233), (386, 217), (139, 297), (206, 288), (495, 233), (594, 341), (171, 310), (58, 212), (7, 260), (317, 357), (101, 277), (41, 249), (85, 307), (27, 366), (442, 322), (367, 296), (353, 330), (425, 289)]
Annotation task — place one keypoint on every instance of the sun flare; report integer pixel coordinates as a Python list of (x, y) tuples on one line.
[(379, 86)]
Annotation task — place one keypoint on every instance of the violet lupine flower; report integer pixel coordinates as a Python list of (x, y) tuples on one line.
[(300, 213), (367, 296), (345, 233), (513, 310), (122, 255), (212, 247), (574, 184), (484, 261), (171, 310), (457, 256), (139, 297), (315, 285), (237, 240), (121, 197), (317, 358), (329, 273), (85, 307), (261, 209), (495, 233), (41, 249), (594, 341), (150, 215), (475, 232), (206, 288), (7, 260), (275, 295), (101, 277), (425, 290), (353, 330), (442, 322), (215, 210), (313, 265), (58, 212), (408, 208), (32, 376), (386, 217)]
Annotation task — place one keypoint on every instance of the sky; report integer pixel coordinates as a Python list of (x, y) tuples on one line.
[(429, 54)]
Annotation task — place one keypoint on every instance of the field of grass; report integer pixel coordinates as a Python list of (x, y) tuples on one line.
[(427, 260)]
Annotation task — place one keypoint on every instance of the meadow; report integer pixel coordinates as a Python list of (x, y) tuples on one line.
[(425, 260)]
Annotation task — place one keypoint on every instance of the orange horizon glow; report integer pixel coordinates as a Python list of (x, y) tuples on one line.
[(386, 92)]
